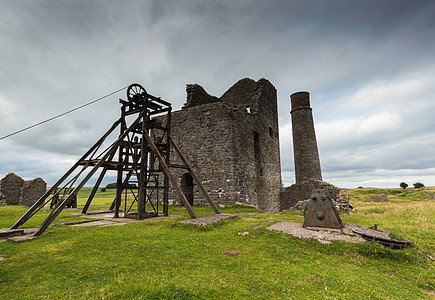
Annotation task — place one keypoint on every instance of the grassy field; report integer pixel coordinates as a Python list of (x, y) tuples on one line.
[(160, 259)]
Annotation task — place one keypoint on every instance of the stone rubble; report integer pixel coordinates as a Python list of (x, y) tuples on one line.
[(382, 197)]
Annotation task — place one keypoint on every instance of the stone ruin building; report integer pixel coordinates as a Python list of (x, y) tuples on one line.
[(232, 142), (15, 190), (306, 156)]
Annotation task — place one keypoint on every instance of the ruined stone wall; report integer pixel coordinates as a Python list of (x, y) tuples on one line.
[(15, 190), (2, 199), (232, 144), (11, 186), (32, 190), (196, 95), (268, 128), (256, 139), (203, 134)]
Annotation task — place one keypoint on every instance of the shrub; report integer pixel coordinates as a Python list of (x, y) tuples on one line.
[(418, 185), (103, 189)]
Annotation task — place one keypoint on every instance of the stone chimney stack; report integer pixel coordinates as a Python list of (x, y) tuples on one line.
[(306, 155)]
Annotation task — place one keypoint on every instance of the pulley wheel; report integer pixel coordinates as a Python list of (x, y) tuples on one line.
[(135, 89)]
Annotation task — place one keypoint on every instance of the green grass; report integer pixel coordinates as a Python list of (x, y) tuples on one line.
[(160, 259)]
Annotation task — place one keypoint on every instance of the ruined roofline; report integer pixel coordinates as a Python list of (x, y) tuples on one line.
[(247, 89), (196, 95), (243, 91)]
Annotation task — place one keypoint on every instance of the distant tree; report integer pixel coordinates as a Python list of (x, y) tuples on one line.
[(103, 189), (403, 185), (111, 186), (360, 187), (418, 185)]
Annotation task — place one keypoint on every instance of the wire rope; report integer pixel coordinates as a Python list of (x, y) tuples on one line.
[(62, 114)]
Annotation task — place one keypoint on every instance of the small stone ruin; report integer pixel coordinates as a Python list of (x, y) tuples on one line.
[(15, 190), (381, 197)]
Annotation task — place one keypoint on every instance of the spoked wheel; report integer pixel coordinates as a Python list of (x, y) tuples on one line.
[(134, 91)]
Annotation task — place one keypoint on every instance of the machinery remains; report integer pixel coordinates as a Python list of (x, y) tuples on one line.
[(320, 211)]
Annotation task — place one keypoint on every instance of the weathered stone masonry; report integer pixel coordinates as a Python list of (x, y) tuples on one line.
[(15, 190), (232, 143), (306, 155)]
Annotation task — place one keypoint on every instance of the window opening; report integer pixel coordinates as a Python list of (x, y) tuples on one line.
[(256, 145)]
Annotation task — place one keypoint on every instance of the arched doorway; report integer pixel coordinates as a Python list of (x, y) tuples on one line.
[(186, 185)]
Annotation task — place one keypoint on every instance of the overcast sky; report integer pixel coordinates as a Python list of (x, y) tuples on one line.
[(369, 66)]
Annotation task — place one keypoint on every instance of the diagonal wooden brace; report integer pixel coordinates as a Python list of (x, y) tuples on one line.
[(171, 176)]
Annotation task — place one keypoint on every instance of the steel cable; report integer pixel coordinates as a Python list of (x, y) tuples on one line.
[(62, 114)]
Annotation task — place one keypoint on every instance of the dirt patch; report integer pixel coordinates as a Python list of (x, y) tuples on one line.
[(231, 252), (21, 238)]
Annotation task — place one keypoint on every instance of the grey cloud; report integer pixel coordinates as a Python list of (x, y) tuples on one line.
[(58, 55)]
